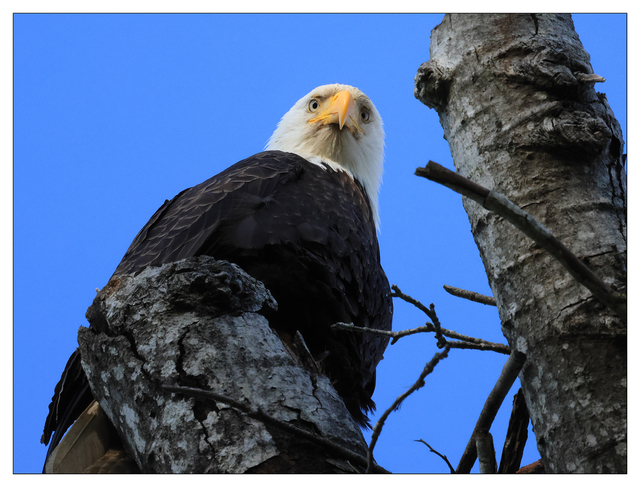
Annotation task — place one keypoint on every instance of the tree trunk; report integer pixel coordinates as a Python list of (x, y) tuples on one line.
[(196, 323), (515, 95)]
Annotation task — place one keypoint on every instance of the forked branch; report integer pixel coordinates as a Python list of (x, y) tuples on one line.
[(508, 376), (464, 340)]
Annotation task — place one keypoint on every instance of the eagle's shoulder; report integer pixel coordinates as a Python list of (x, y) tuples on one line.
[(269, 196)]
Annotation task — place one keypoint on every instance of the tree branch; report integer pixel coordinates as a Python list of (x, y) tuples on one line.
[(470, 295), (444, 457), (265, 418), (491, 406), (500, 205), (397, 293), (465, 342), (395, 335), (481, 344), (377, 429), (201, 339), (436, 324), (486, 452), (517, 433)]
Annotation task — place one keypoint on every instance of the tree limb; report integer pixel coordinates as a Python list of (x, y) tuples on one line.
[(194, 336), (470, 295), (500, 205), (491, 406), (486, 452), (465, 342), (483, 345), (436, 324), (266, 418), (444, 457), (377, 429), (517, 433)]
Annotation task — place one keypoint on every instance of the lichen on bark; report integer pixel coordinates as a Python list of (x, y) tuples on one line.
[(515, 95), (197, 323)]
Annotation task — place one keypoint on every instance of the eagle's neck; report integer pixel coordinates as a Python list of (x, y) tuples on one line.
[(359, 156)]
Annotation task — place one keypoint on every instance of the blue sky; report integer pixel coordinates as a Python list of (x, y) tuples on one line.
[(113, 114)]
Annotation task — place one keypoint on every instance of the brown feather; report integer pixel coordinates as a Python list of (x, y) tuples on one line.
[(308, 233)]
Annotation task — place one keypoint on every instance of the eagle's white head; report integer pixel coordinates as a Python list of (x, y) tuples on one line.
[(336, 124)]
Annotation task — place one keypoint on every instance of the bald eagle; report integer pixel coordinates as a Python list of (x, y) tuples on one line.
[(301, 217)]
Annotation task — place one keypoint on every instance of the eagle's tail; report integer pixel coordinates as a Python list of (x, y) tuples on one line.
[(71, 397), (92, 444)]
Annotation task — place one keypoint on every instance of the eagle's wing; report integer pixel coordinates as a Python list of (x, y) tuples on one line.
[(271, 198), (180, 228)]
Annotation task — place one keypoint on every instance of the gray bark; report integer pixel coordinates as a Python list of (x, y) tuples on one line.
[(197, 323), (515, 95)]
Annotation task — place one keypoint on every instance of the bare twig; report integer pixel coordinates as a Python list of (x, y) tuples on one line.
[(436, 324), (485, 346), (444, 457), (470, 295), (397, 293), (508, 376), (395, 335), (500, 205), (377, 429), (481, 344), (265, 418), (465, 341)]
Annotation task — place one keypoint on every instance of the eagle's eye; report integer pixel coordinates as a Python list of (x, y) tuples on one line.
[(313, 105), (364, 115)]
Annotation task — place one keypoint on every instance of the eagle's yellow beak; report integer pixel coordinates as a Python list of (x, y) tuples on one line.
[(341, 110)]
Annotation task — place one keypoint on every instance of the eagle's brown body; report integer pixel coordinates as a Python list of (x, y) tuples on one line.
[(307, 232)]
